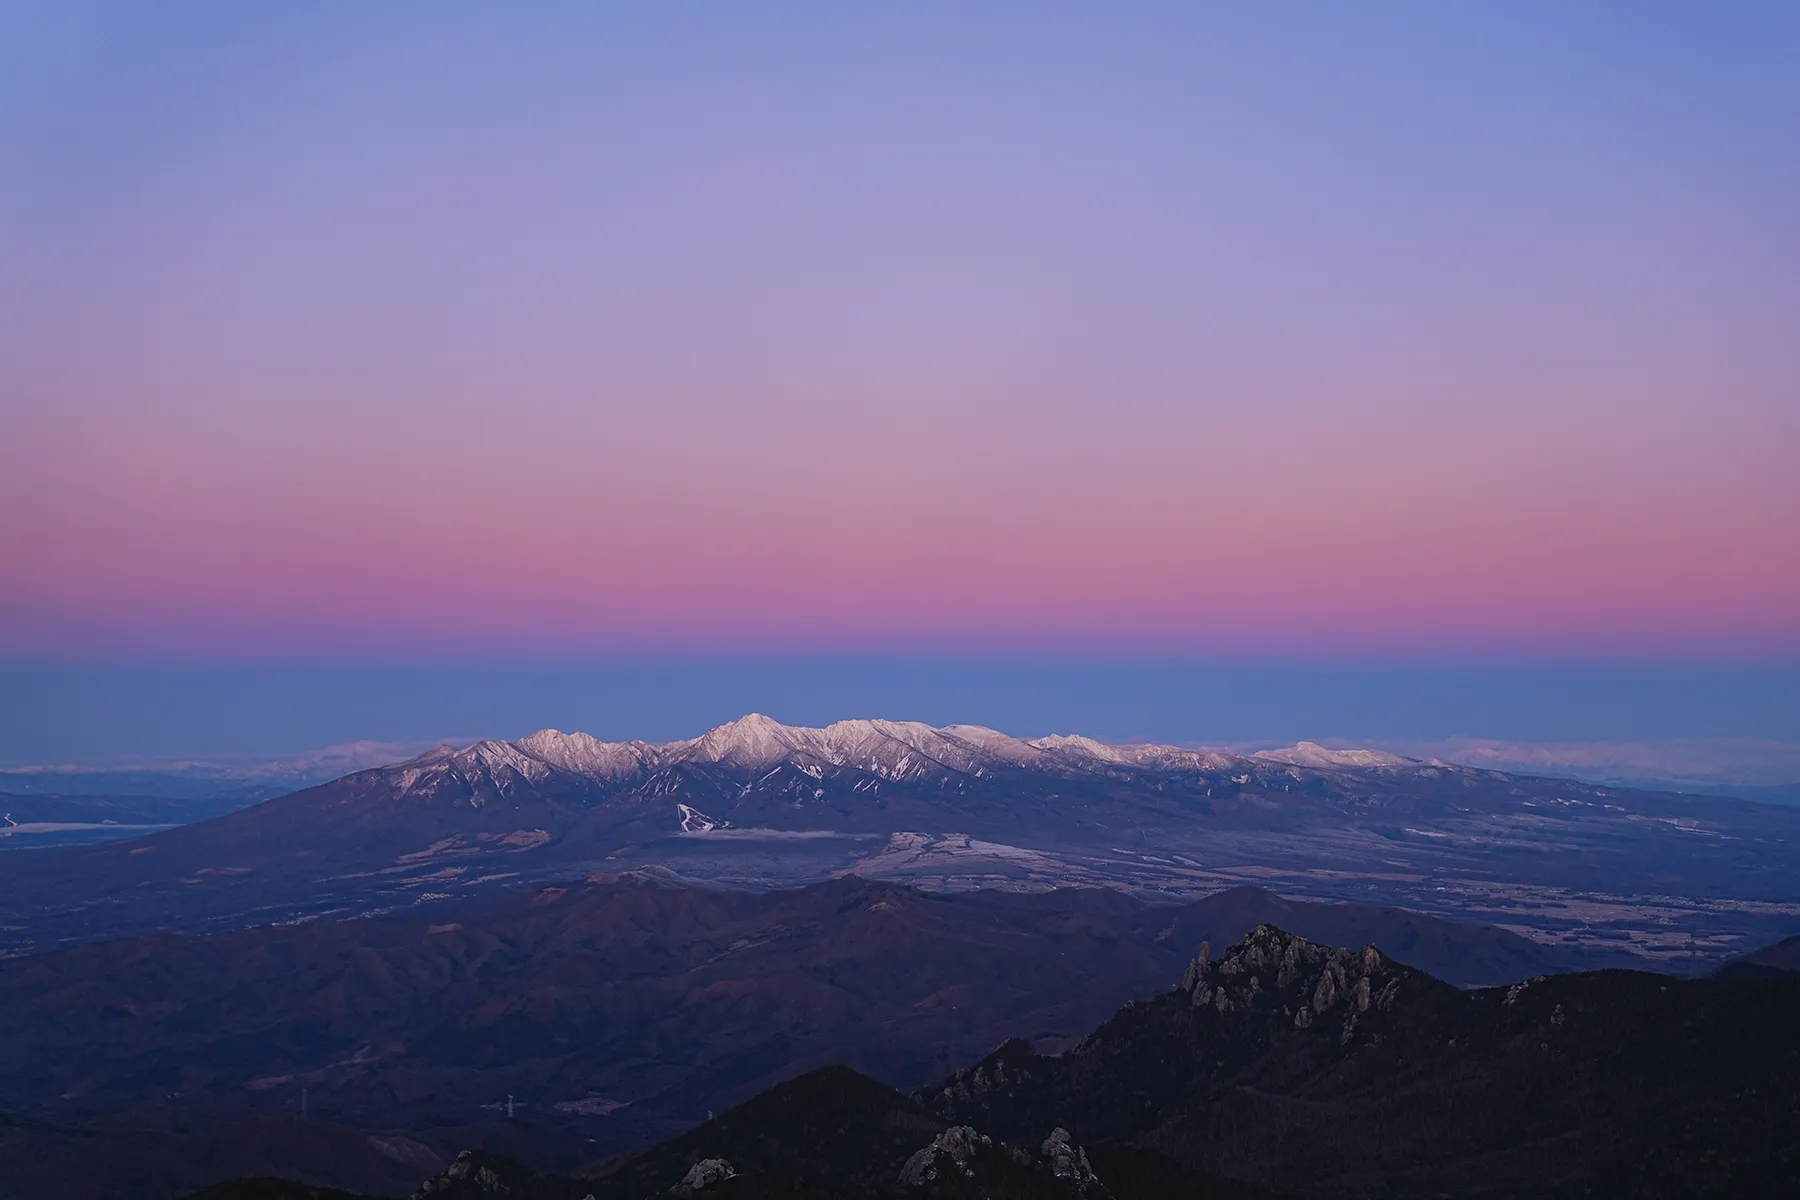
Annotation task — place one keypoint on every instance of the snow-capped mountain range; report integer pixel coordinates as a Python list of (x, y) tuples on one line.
[(900, 751), (757, 803)]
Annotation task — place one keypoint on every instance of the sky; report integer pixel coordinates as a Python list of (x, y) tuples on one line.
[(1743, 722), (532, 333)]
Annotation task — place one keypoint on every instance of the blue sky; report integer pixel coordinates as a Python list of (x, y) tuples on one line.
[(60, 713)]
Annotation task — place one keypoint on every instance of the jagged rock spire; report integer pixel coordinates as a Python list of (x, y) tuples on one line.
[(1272, 968)]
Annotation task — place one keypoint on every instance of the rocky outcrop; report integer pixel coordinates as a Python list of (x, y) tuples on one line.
[(1069, 1161), (475, 1173), (1274, 1004), (961, 1158), (481, 1175), (1271, 968), (705, 1173), (953, 1150)]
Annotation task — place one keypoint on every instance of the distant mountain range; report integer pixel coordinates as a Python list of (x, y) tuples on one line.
[(1749, 768), (246, 779), (1280, 1066), (55, 805), (758, 804)]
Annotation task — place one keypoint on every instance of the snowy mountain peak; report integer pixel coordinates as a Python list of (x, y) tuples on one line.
[(585, 754), (892, 750), (492, 755), (1311, 754), (1076, 744), (752, 740)]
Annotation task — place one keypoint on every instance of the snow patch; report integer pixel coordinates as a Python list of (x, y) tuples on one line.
[(695, 821)]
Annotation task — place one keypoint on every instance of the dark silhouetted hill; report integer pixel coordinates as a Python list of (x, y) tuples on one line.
[(1771, 962), (1281, 1067), (1324, 1071), (616, 1014)]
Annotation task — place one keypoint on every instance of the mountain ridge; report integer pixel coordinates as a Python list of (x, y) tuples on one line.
[(1334, 1071), (758, 804), (889, 749)]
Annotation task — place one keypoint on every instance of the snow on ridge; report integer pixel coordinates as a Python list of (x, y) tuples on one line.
[(896, 750), (1311, 754), (585, 754), (695, 821), (752, 740), (1075, 743)]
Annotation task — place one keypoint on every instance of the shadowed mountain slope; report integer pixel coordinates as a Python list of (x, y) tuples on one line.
[(831, 1134), (671, 1000), (1335, 1071), (1781, 959), (614, 1013)]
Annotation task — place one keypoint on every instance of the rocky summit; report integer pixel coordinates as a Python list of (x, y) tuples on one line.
[(1320, 1070), (1272, 969)]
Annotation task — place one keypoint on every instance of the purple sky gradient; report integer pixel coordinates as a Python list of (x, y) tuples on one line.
[(1303, 330)]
